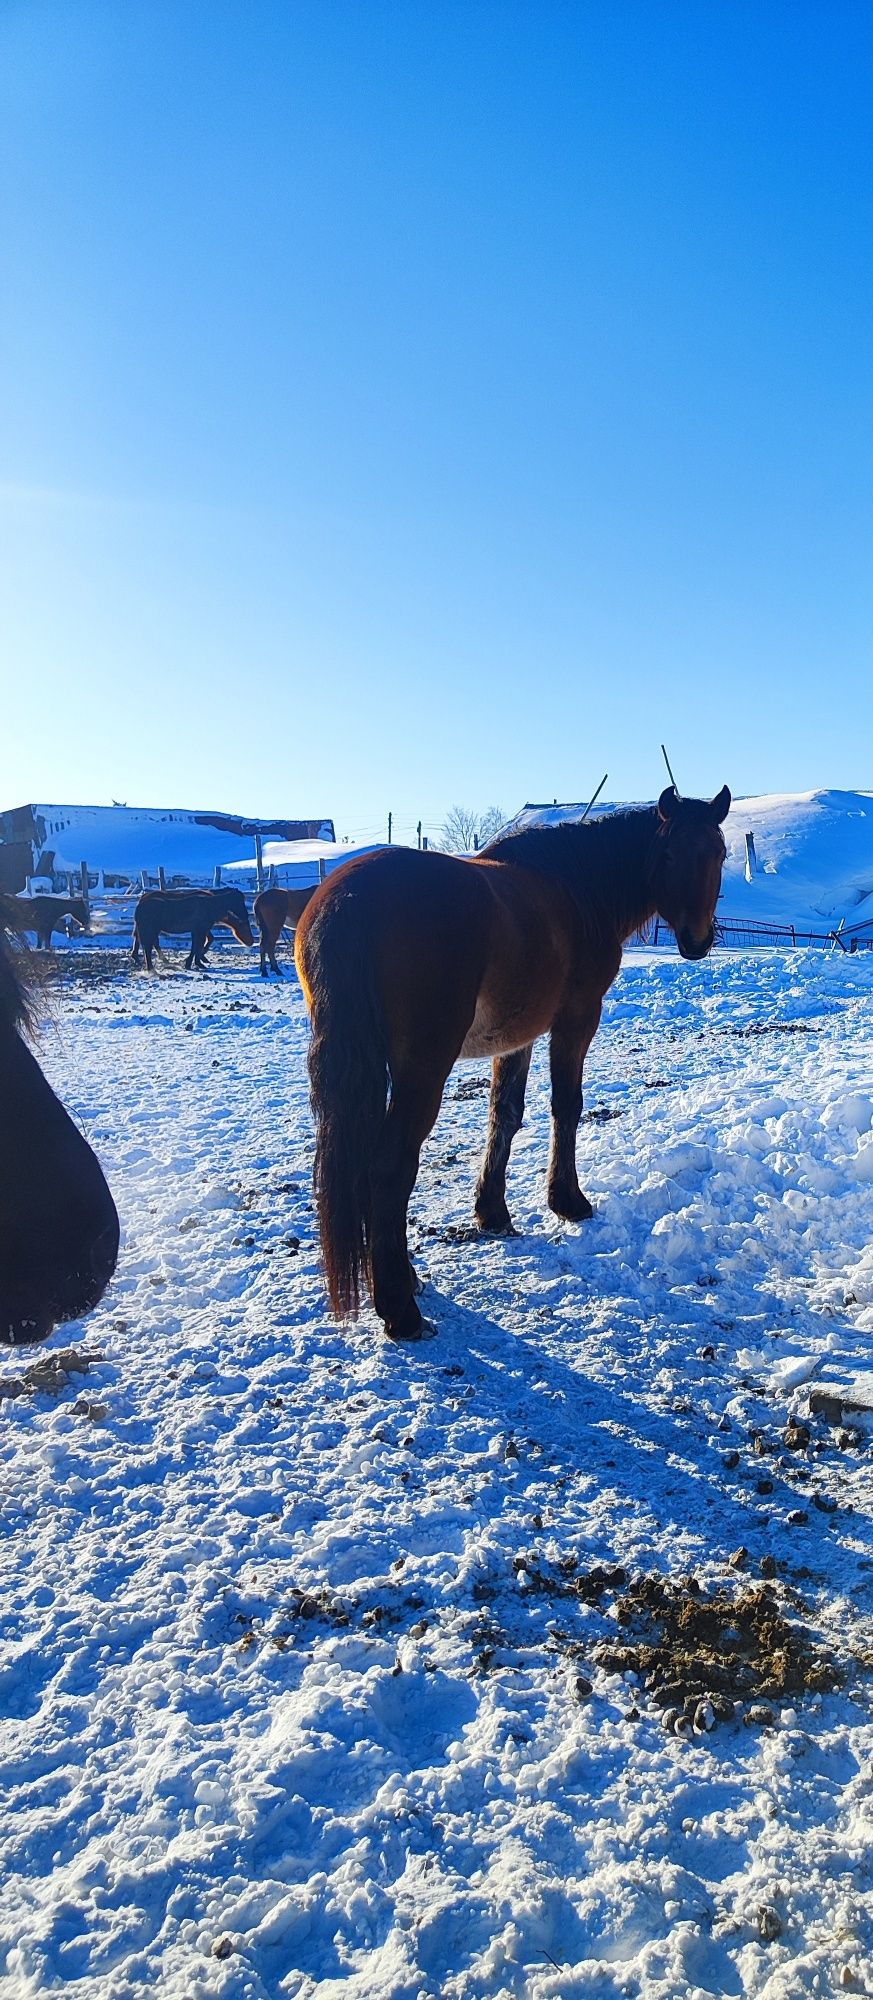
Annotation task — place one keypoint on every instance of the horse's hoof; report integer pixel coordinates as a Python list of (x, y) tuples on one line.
[(496, 1225), (574, 1207), (410, 1325), (425, 1330)]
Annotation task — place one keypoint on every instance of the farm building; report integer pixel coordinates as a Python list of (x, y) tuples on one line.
[(118, 844)]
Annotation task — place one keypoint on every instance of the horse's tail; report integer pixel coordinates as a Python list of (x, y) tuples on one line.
[(348, 1074)]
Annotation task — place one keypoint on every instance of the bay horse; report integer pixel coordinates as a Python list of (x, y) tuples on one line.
[(58, 1221), (411, 960), (273, 909), (177, 911), (43, 914)]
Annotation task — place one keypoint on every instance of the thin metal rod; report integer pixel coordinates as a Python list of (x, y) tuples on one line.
[(672, 779), (594, 797)]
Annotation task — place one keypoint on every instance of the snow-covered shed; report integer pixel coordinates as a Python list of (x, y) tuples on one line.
[(118, 842)]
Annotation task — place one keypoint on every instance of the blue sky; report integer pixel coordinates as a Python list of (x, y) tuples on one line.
[(412, 403)]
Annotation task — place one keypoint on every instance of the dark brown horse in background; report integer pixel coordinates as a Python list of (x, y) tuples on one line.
[(175, 912), (44, 914), (58, 1222), (409, 960), (273, 909)]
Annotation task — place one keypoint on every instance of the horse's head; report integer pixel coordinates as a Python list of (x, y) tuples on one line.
[(79, 912), (689, 859), (58, 1221), (232, 912)]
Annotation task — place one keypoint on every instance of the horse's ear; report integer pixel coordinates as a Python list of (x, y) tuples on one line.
[(721, 805), (668, 803)]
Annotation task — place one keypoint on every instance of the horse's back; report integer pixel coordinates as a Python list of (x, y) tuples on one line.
[(475, 952), (171, 910)]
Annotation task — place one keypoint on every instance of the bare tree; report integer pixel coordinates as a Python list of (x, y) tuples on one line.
[(464, 830)]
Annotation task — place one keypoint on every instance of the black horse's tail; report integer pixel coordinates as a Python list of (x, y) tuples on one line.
[(348, 1073)]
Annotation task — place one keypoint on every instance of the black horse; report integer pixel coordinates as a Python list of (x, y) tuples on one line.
[(58, 1221), (44, 914), (174, 912)]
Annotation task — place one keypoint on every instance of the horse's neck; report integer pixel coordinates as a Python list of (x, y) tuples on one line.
[(619, 885)]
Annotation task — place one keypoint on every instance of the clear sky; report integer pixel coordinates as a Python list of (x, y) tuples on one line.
[(408, 403)]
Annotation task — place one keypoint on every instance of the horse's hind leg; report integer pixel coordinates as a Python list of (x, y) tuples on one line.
[(508, 1085), (569, 1046), (415, 1102)]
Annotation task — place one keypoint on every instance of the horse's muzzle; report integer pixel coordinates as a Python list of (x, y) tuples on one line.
[(692, 947)]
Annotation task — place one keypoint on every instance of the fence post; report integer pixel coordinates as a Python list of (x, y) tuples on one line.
[(162, 880), (143, 879), (273, 875), (86, 898), (216, 878), (322, 870)]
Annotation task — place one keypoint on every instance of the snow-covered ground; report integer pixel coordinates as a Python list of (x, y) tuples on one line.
[(309, 1666)]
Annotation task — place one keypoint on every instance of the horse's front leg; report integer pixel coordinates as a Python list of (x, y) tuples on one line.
[(569, 1046), (506, 1111)]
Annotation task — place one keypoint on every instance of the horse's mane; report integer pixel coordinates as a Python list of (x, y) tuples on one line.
[(605, 863), (14, 1001)]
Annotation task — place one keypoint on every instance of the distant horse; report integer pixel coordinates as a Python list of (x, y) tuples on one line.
[(58, 1222), (409, 960), (173, 912), (274, 908), (43, 914)]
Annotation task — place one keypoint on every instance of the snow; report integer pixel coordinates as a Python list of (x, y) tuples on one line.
[(814, 857), (289, 1709)]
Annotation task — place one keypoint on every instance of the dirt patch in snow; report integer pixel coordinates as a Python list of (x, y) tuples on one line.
[(687, 1642), (51, 1375), (777, 1028)]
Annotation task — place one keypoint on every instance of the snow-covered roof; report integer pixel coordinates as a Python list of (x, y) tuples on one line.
[(298, 862), (127, 839)]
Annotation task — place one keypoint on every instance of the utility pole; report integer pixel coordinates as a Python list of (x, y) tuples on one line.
[(418, 831), (390, 819)]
